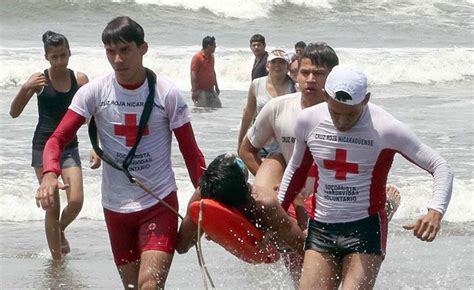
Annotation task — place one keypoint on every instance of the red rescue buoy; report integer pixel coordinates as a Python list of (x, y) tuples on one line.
[(230, 229)]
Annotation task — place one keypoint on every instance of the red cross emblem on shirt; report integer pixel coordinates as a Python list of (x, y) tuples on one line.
[(129, 130), (340, 165)]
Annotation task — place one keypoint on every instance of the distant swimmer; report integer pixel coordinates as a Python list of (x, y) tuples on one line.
[(142, 225), (55, 88), (204, 88), (347, 231), (258, 45)]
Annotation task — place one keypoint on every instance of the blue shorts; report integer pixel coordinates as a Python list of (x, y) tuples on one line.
[(368, 235), (69, 158)]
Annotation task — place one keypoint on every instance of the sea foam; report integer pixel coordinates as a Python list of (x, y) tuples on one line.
[(383, 66)]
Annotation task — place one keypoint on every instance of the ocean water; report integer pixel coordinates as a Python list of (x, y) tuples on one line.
[(419, 59)]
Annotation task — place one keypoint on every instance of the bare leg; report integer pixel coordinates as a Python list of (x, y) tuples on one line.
[(51, 223), (154, 269), (75, 198), (320, 271), (129, 275), (65, 248), (360, 270), (52, 228)]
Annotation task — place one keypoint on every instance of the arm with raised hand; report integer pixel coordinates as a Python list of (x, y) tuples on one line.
[(33, 85)]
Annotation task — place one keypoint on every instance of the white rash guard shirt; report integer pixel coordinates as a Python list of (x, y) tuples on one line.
[(117, 114), (352, 166), (277, 121)]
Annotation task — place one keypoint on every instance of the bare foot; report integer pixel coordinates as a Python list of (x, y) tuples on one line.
[(65, 249), (393, 200)]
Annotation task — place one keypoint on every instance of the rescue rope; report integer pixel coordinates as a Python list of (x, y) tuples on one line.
[(204, 270)]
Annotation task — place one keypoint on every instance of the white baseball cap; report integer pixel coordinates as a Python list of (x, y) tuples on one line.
[(348, 79), (278, 53)]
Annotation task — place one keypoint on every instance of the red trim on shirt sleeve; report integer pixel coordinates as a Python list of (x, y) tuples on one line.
[(298, 180), (193, 156), (64, 133)]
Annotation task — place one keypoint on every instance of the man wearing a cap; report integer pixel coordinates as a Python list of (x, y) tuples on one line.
[(278, 119), (353, 143)]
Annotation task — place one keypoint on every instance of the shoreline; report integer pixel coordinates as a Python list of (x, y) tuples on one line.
[(25, 261)]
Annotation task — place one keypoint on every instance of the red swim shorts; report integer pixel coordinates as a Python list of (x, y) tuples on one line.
[(154, 228)]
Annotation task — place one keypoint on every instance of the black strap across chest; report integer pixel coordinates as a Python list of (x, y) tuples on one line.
[(150, 75)]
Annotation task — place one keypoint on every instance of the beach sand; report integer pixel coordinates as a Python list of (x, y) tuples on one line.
[(409, 264)]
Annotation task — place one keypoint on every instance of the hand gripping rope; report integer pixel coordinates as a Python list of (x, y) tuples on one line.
[(128, 160)]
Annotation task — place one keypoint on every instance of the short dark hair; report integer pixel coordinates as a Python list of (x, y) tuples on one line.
[(123, 29), (300, 44), (208, 40), (320, 53), (257, 38), (225, 181), (51, 38)]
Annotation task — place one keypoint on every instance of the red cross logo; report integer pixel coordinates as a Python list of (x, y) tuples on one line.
[(129, 130), (340, 165)]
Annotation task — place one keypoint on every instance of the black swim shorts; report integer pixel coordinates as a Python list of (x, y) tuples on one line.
[(367, 235)]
